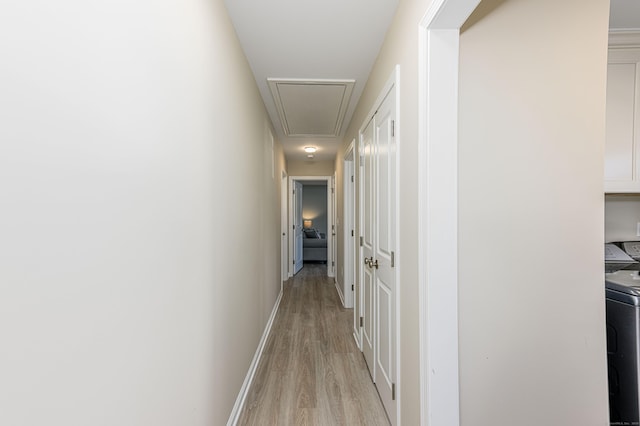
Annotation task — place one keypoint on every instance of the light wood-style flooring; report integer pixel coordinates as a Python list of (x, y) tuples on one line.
[(311, 372)]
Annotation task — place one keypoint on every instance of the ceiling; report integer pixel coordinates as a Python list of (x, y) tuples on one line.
[(311, 60)]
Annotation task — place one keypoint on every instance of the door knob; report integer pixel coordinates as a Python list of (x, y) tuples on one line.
[(372, 263)]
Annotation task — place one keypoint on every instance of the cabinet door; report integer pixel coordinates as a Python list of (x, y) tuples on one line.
[(622, 158)]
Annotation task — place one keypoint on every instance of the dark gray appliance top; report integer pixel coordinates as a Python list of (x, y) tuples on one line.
[(623, 286)]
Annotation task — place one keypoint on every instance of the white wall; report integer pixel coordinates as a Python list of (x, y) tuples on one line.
[(127, 227), (622, 215), (531, 292)]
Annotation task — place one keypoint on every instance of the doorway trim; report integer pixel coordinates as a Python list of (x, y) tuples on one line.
[(439, 41), (330, 220), (349, 229), (284, 249)]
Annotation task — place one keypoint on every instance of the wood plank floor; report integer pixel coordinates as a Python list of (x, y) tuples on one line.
[(311, 372)]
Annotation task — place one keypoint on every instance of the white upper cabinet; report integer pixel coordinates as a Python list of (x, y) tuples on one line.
[(622, 148)]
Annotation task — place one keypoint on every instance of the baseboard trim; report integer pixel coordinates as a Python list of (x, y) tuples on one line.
[(355, 337), (244, 390), (340, 295)]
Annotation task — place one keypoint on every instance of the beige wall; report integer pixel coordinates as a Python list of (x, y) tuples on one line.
[(531, 149), (532, 108), (622, 214), (135, 161), (310, 168)]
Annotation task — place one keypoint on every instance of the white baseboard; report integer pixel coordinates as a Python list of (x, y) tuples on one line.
[(244, 390), (355, 337), (337, 284)]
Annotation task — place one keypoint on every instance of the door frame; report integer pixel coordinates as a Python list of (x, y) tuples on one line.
[(297, 233), (439, 41), (349, 227), (330, 219), (284, 230), (333, 229)]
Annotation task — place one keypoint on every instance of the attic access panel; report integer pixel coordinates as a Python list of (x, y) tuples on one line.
[(311, 107)]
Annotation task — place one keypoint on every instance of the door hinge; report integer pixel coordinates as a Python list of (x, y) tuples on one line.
[(393, 391), (293, 261), (361, 321), (332, 190), (361, 241), (352, 234), (352, 289), (351, 178), (293, 226), (333, 263), (393, 127), (393, 259)]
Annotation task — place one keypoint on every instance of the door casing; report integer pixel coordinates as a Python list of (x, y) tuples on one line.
[(284, 249), (439, 40), (349, 230), (296, 230)]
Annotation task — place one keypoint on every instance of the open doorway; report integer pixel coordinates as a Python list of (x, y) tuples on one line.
[(311, 219)]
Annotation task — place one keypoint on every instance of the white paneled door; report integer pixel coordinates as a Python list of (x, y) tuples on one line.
[(367, 281), (378, 204), (384, 252)]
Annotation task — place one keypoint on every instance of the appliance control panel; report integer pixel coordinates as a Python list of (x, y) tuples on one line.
[(632, 248)]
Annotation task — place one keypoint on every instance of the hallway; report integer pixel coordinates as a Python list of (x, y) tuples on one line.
[(311, 372)]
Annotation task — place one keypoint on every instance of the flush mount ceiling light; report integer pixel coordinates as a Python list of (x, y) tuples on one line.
[(310, 149)]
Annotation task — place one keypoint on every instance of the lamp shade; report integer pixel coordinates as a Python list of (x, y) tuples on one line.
[(307, 223)]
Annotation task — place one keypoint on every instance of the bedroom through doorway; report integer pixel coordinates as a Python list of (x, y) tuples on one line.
[(312, 222)]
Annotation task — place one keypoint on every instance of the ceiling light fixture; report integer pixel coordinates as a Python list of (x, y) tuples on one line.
[(310, 156), (310, 149)]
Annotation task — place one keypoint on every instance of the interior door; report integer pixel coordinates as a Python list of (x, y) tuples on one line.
[(298, 259), (384, 229), (378, 229), (367, 251)]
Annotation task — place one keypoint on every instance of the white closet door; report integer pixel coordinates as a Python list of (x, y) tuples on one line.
[(367, 276), (378, 229), (384, 224)]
